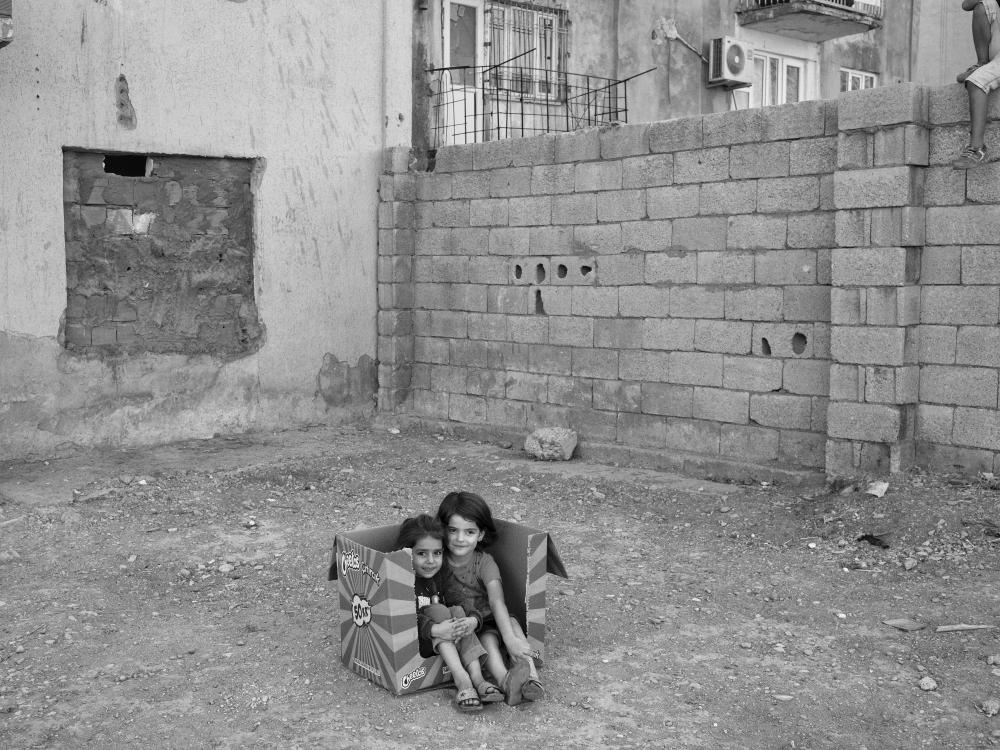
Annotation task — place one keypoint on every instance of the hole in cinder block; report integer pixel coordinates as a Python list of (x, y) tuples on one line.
[(539, 273), (518, 271), (765, 347), (561, 271), (585, 271), (799, 341), (126, 165), (539, 306)]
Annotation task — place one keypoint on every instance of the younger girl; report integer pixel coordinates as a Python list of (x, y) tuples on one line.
[(443, 630), (472, 579)]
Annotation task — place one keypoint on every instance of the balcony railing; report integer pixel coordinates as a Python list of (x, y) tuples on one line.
[(811, 20), (486, 103)]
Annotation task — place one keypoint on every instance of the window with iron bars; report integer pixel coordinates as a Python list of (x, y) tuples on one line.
[(528, 49)]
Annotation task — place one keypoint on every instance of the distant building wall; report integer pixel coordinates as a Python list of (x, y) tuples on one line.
[(809, 286), (279, 328)]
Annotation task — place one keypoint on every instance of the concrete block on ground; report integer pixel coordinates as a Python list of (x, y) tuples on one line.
[(551, 444)]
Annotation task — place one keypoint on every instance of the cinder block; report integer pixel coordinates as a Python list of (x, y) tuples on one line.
[(881, 306), (532, 150), (978, 428), (982, 184), (751, 373), (503, 356), (697, 302), (668, 334), (536, 210), (505, 183), (618, 141), (674, 267), (571, 331), (806, 303), (874, 266), (667, 400), (679, 134), (621, 205), (598, 175), (574, 270), (802, 449), (648, 171), (883, 106), (977, 345), (591, 302), (785, 267), (573, 392), (935, 423), (555, 301), (961, 386), (432, 241), (747, 443), (756, 303), (725, 267), (522, 386), (938, 344), (971, 305), (577, 146), (448, 379), (807, 377), (488, 212), (550, 179), (753, 231), (488, 269), (731, 197), (963, 225), (528, 329), (616, 395), (647, 236), (812, 156), (704, 165), (600, 239), (467, 353), (786, 340), (641, 430), (721, 405), (800, 120), (855, 151), (621, 270), (645, 366), (532, 270), (488, 327), (846, 382), (508, 241), (450, 213), (693, 435), (504, 413), (869, 345), (724, 336), (941, 265), (700, 233), (672, 201), (981, 265), (812, 230), (492, 154), (448, 324), (550, 360), (696, 368), (550, 240), (947, 142), (430, 404), (870, 188), (618, 333), (595, 363), (433, 187), (891, 385), (574, 209), (947, 105), (643, 301), (735, 126), (396, 159), (780, 410), (784, 194), (470, 185), (755, 160), (944, 186), (449, 159)]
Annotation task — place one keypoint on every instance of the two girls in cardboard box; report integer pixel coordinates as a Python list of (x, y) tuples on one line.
[(470, 582)]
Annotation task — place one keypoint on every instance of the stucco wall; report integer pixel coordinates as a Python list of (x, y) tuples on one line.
[(810, 286), (295, 86)]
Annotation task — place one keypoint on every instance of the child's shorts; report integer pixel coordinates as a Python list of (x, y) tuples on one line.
[(987, 77)]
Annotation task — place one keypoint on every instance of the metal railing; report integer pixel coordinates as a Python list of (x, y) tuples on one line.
[(486, 103), (871, 8)]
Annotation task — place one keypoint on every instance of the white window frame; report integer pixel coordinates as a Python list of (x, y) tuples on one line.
[(556, 61), (478, 5), (788, 52), (863, 78)]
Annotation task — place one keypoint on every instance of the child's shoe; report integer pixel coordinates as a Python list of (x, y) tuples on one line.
[(971, 157), (967, 72)]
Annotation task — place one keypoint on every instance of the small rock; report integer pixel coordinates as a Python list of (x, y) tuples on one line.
[(910, 563), (783, 698), (551, 443), (990, 707), (927, 684), (226, 568), (9, 555), (506, 445), (184, 573), (993, 660), (19, 649)]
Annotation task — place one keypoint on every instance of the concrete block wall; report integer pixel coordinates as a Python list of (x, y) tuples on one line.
[(805, 287)]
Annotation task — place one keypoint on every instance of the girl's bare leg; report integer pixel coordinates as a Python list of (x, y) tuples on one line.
[(981, 34), (494, 658), (448, 652)]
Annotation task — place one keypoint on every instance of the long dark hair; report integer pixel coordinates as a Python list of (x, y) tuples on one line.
[(471, 507), (416, 528)]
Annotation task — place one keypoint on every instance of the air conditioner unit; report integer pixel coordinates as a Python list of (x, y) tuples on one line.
[(730, 63), (6, 22)]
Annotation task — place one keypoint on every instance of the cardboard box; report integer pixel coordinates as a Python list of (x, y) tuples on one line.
[(378, 614)]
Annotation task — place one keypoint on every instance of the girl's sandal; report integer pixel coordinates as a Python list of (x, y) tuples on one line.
[(488, 692), (467, 701)]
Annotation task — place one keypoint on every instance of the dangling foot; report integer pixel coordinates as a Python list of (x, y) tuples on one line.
[(488, 692), (517, 675), (971, 157)]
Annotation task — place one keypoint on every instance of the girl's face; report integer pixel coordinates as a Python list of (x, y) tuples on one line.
[(427, 557), (463, 536)]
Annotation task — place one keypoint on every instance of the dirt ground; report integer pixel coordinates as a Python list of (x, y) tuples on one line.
[(176, 597)]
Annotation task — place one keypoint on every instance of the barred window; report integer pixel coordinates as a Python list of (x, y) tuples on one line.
[(528, 48)]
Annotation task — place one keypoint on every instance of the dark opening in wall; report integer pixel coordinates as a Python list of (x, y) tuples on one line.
[(518, 271), (161, 260), (126, 165), (561, 271), (765, 347), (539, 273), (539, 305), (799, 341)]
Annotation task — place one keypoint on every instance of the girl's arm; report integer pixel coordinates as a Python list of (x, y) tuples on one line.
[(516, 645), (970, 4)]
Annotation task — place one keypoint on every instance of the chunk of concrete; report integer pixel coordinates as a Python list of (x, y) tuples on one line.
[(551, 443)]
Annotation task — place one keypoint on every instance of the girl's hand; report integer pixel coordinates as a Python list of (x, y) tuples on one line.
[(519, 647), (465, 626), (447, 630)]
